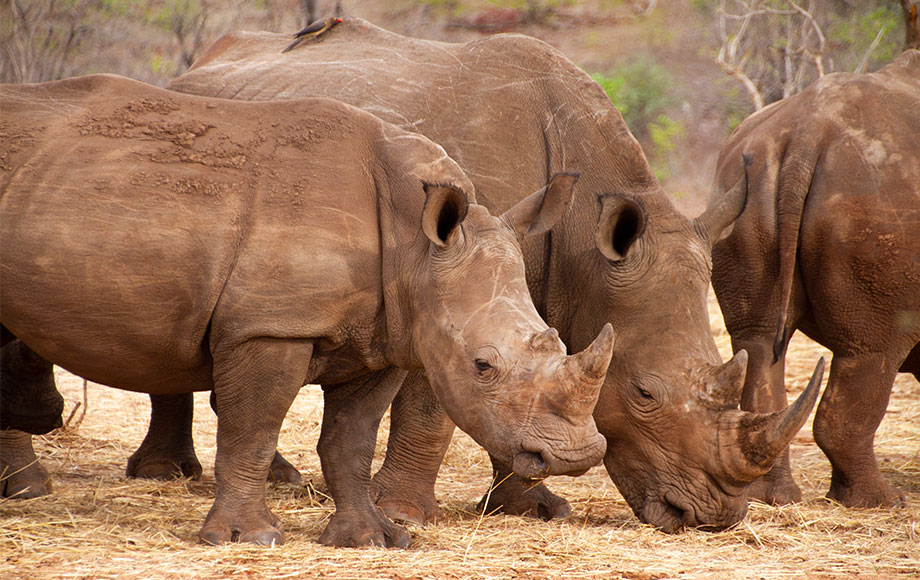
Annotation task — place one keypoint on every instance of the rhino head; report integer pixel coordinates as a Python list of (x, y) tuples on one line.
[(500, 372), (679, 449)]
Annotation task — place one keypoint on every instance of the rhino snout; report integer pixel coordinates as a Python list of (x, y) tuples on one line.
[(541, 460), (673, 512), (529, 465)]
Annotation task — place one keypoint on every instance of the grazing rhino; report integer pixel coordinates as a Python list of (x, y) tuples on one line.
[(165, 243), (829, 244), (677, 446)]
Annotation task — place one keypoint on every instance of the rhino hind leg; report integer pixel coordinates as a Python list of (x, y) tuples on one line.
[(21, 475), (511, 495), (420, 433), (281, 471), (256, 383), (777, 487), (167, 451), (351, 415), (848, 415)]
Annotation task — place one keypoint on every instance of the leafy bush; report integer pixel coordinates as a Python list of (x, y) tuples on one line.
[(642, 90)]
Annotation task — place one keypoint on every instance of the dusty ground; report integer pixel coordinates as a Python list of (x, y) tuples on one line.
[(98, 524)]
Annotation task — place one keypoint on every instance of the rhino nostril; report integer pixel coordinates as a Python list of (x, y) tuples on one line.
[(530, 465)]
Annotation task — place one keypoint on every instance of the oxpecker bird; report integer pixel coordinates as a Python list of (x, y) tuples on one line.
[(314, 30)]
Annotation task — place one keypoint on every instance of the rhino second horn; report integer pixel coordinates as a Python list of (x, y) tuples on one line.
[(546, 340), (724, 390), (762, 437)]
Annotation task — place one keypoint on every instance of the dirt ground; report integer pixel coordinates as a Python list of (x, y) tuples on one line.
[(98, 524)]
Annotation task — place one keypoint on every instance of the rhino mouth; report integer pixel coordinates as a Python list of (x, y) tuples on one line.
[(673, 512), (535, 462)]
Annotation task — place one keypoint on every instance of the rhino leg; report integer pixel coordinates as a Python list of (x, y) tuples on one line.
[(281, 471), (167, 451), (21, 475), (255, 383), (29, 400), (420, 433), (850, 411), (509, 494), (764, 392), (351, 415)]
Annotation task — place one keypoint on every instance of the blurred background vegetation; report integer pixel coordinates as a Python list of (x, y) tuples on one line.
[(682, 72)]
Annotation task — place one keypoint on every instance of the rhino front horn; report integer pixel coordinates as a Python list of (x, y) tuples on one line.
[(762, 437), (590, 365)]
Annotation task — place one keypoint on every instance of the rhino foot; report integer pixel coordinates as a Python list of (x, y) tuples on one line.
[(400, 510), (355, 529), (222, 526), (162, 464), (775, 491), (867, 494), (402, 501), (21, 475), (281, 471), (513, 496), (25, 482)]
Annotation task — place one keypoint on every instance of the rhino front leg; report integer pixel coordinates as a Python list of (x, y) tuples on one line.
[(281, 470), (848, 415), (509, 494), (351, 415), (764, 392), (420, 433), (21, 475), (168, 450), (255, 383)]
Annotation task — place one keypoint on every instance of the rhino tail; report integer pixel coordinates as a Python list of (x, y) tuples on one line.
[(797, 169)]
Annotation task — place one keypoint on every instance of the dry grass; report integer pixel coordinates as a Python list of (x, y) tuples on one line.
[(98, 524)]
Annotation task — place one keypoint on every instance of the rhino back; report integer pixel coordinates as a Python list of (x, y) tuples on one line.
[(510, 109), (143, 209)]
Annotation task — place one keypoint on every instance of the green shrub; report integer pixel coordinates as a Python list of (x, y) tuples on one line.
[(664, 133), (641, 90)]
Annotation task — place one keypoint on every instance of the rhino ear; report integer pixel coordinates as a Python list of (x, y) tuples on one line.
[(538, 212), (723, 210), (445, 208), (621, 223)]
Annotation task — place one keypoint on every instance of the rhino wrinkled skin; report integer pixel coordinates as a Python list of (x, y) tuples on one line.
[(167, 243), (829, 244), (678, 447)]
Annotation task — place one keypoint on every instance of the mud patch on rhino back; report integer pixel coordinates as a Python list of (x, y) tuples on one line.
[(13, 141), (184, 138)]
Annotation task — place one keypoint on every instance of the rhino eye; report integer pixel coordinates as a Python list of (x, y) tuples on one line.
[(645, 394), (482, 365)]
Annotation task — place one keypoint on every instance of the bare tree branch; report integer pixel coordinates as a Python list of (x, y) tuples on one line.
[(861, 67)]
